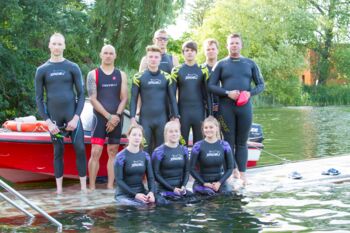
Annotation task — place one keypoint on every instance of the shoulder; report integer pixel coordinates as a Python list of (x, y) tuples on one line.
[(146, 155), (184, 149), (137, 77), (197, 146), (225, 145), (70, 63), (158, 153), (176, 69), (120, 157)]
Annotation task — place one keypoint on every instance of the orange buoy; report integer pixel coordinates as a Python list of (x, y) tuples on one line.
[(36, 126)]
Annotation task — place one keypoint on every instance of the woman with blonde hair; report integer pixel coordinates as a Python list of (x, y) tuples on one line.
[(130, 167), (214, 160), (171, 166)]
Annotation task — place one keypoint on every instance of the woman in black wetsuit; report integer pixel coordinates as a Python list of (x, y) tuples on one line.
[(214, 160), (171, 166), (130, 166)]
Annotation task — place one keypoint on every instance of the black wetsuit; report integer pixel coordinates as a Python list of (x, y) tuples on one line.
[(193, 97), (214, 98), (58, 80), (108, 94), (215, 163), (154, 89), (171, 167), (129, 169), (166, 64), (236, 74)]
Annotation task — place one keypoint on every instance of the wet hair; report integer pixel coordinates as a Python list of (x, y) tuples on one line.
[(140, 128), (190, 45), (234, 35), (211, 119), (167, 127), (210, 41), (153, 48)]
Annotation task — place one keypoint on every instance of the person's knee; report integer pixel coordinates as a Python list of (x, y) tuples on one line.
[(96, 151)]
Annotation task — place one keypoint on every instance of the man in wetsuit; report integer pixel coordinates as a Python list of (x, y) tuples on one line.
[(108, 92), (235, 73), (154, 86), (193, 97), (168, 61), (211, 51), (58, 78)]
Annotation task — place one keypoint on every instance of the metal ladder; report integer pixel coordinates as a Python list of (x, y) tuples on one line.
[(25, 200)]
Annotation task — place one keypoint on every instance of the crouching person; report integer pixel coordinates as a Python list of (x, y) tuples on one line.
[(131, 165)]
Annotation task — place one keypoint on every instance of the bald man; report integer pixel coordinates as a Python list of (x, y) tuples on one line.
[(108, 92)]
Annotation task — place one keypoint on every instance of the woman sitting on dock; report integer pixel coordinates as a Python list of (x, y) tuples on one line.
[(171, 166), (214, 160), (130, 166)]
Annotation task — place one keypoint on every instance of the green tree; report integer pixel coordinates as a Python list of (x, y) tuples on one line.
[(272, 34), (129, 25), (25, 27), (333, 26)]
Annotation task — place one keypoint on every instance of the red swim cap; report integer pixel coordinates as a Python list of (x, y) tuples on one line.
[(242, 98)]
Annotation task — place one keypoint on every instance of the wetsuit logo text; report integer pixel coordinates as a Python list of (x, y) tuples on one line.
[(110, 85), (176, 157), (137, 163), (57, 73), (154, 82), (213, 153), (191, 76)]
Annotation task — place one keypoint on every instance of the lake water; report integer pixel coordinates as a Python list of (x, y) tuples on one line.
[(290, 133)]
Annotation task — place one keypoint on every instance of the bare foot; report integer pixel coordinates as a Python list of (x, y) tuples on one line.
[(244, 179), (110, 187), (236, 174)]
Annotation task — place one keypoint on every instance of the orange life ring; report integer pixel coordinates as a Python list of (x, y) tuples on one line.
[(37, 126)]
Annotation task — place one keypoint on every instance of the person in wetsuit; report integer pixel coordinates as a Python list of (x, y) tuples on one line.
[(236, 73), (214, 160), (193, 97), (154, 87), (57, 78), (130, 167), (211, 51), (170, 163), (168, 61), (108, 92)]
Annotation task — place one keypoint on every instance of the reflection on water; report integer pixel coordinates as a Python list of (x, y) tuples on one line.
[(320, 208), (298, 133)]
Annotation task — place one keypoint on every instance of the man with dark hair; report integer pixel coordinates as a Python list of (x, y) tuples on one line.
[(231, 80), (108, 92), (57, 78), (193, 97), (154, 87)]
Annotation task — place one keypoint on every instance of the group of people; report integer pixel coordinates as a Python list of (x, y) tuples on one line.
[(169, 100)]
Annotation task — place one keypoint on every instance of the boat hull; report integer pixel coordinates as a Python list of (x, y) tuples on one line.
[(29, 156)]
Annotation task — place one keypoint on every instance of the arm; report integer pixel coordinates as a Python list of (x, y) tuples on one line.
[(39, 94), (119, 174), (258, 81), (194, 158), (186, 168), (135, 90), (229, 162), (150, 177), (143, 64), (175, 61), (79, 87), (92, 92), (123, 94), (207, 94), (172, 95), (213, 83)]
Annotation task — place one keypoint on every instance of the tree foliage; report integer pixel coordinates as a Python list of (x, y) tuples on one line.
[(129, 25), (25, 29), (333, 27), (271, 33)]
